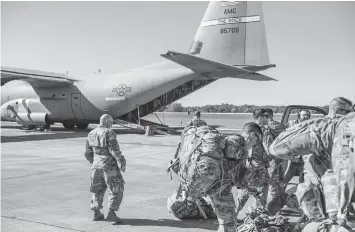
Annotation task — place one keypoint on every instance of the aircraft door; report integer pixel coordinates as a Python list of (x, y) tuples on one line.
[(76, 105)]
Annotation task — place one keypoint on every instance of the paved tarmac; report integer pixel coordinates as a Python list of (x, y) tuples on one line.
[(45, 182)]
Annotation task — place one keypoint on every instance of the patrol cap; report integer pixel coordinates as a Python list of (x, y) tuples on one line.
[(198, 113), (260, 112)]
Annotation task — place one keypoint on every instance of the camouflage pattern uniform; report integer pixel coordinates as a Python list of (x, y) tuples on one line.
[(343, 161), (197, 122), (256, 178), (105, 172), (315, 137), (219, 196), (277, 168), (294, 168), (320, 137), (276, 127), (224, 207)]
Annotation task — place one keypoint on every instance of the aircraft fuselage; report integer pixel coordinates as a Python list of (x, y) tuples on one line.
[(89, 98)]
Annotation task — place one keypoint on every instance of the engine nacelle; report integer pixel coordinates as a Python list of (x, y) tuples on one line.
[(32, 118), (25, 111)]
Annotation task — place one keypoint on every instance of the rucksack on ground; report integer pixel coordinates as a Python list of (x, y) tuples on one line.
[(183, 207)]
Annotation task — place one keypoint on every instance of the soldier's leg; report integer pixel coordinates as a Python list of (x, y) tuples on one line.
[(115, 183), (98, 188), (224, 206), (275, 188), (274, 172)]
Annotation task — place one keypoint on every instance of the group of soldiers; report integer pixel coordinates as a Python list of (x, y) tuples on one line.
[(275, 154)]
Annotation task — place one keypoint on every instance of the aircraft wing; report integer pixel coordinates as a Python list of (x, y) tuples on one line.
[(213, 69), (34, 77)]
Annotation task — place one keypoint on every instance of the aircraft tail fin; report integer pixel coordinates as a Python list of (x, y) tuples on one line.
[(232, 33)]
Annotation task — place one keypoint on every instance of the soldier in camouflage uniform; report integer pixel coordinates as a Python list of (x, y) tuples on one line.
[(275, 126), (315, 137), (257, 176), (277, 167), (103, 151), (296, 168), (195, 121), (221, 195)]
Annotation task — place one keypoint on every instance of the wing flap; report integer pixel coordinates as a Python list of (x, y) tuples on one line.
[(213, 69), (34, 77)]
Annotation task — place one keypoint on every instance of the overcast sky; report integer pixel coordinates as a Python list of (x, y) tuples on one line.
[(312, 44)]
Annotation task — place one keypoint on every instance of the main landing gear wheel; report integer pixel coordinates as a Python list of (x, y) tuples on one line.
[(82, 126), (44, 127), (68, 125)]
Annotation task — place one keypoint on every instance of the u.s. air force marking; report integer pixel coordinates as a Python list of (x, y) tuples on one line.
[(121, 90)]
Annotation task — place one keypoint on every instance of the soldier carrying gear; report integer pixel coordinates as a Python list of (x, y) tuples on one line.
[(196, 121), (209, 165), (103, 151), (331, 143)]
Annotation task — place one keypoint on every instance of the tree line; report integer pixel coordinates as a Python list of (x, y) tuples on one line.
[(225, 108)]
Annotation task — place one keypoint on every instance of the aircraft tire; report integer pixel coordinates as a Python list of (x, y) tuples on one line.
[(68, 125), (44, 127), (82, 126), (28, 127)]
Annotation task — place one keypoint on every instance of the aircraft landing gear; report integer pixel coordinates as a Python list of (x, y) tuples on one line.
[(68, 125), (44, 127), (82, 126), (28, 127)]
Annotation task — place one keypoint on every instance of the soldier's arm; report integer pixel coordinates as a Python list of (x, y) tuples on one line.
[(89, 153), (114, 148)]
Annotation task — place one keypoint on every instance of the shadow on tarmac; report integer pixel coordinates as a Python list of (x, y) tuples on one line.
[(210, 224)]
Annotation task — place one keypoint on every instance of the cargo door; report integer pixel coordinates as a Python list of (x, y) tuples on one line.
[(76, 105)]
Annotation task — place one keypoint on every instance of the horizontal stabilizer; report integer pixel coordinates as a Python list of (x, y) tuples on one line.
[(212, 69), (258, 68), (34, 77)]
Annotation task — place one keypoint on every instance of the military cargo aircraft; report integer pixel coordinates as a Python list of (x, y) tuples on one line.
[(230, 42)]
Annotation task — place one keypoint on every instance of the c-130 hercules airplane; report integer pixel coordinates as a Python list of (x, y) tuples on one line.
[(230, 42)]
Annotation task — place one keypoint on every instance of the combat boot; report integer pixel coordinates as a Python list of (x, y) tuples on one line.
[(112, 217), (98, 215)]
